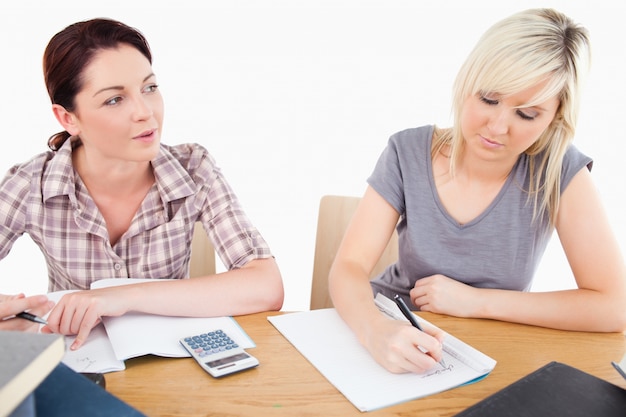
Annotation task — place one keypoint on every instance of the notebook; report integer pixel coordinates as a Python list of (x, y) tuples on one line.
[(65, 393), (330, 345), (136, 334), (556, 389), (25, 360)]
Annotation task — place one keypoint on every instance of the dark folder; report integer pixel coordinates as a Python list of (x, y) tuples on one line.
[(554, 390), (65, 393)]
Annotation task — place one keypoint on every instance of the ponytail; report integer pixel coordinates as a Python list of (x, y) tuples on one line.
[(57, 140)]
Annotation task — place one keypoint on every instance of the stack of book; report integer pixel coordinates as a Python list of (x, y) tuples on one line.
[(35, 383), (26, 359)]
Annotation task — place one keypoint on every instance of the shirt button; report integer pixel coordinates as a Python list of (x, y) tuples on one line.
[(117, 267)]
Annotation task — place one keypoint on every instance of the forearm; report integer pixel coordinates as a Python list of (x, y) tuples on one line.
[(352, 297), (578, 309), (253, 288)]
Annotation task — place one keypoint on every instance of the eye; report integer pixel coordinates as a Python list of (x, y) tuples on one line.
[(525, 116), (151, 88), (113, 101), (488, 101)]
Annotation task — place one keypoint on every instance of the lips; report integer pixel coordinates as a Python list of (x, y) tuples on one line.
[(148, 134), (490, 142)]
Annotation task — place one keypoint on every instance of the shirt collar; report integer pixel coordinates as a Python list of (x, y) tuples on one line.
[(59, 178), (173, 181)]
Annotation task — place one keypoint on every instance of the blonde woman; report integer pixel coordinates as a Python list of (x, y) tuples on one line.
[(476, 204)]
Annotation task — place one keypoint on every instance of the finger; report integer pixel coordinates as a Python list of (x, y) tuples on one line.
[(36, 300), (17, 303), (417, 295), (414, 353), (419, 362), (434, 331), (90, 320), (61, 316), (413, 359), (426, 342), (434, 349), (408, 359), (54, 318), (6, 297), (422, 282), (42, 310), (20, 325), (421, 302)]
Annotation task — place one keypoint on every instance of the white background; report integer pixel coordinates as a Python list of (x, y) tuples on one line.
[(296, 99)]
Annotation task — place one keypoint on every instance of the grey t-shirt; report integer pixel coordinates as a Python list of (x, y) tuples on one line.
[(501, 248)]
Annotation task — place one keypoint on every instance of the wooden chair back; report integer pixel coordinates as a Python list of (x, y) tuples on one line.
[(202, 253), (335, 213)]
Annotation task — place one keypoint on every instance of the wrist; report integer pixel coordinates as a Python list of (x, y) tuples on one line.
[(370, 330)]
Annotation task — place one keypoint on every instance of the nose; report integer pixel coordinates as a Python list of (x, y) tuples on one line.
[(142, 109), (498, 123)]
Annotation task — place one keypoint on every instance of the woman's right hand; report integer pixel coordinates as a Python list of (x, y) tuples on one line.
[(10, 305), (399, 347), (78, 312)]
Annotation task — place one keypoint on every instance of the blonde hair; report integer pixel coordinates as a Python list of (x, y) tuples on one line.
[(515, 54)]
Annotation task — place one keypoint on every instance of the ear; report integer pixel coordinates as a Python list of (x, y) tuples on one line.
[(66, 119)]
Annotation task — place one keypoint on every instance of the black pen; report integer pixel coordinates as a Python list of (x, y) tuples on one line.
[(619, 369), (407, 313), (31, 317)]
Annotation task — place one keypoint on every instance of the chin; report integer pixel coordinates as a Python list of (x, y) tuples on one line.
[(149, 153)]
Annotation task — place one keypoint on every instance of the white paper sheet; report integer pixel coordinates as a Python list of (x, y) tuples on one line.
[(331, 346), (96, 355), (136, 334)]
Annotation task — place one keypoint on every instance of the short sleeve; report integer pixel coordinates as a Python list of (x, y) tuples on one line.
[(405, 161), (573, 161), (237, 241)]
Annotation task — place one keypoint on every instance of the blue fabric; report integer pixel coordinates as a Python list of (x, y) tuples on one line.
[(65, 393)]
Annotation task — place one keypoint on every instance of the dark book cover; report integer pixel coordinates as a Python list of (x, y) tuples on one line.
[(553, 390), (65, 393)]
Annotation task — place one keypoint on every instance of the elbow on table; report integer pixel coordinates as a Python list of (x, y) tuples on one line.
[(619, 321), (275, 291), (615, 318), (276, 298), (268, 282)]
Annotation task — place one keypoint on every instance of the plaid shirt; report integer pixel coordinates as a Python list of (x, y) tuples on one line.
[(45, 198)]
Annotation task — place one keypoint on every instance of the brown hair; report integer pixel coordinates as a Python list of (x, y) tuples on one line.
[(72, 49)]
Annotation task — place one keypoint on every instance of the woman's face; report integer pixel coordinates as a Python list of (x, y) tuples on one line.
[(500, 128), (119, 111)]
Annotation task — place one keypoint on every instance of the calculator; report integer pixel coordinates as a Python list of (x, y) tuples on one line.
[(217, 353)]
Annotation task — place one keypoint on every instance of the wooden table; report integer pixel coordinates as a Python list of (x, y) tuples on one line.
[(286, 384)]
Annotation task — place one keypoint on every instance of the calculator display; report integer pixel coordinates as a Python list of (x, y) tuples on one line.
[(227, 360)]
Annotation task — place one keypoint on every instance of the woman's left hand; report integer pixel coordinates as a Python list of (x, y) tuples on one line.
[(10, 305), (443, 295)]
